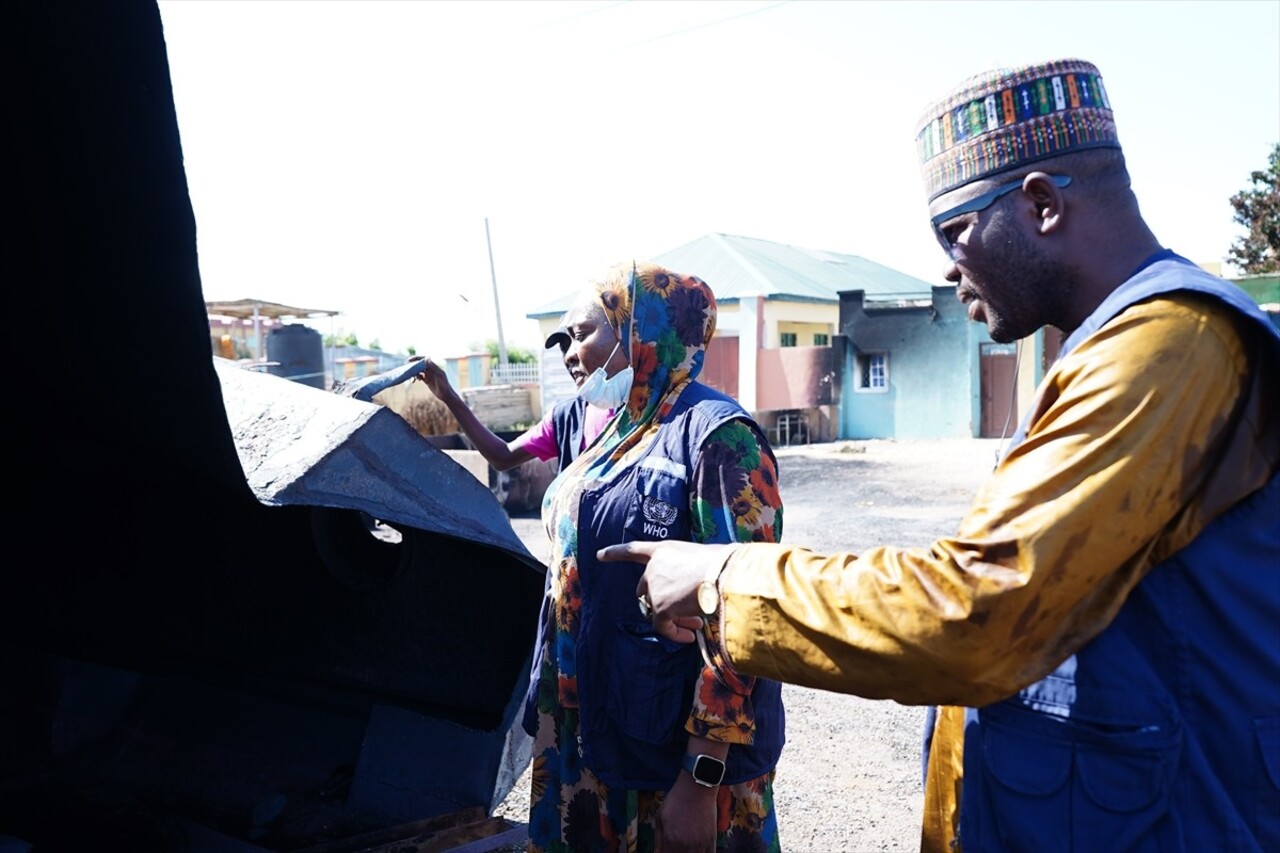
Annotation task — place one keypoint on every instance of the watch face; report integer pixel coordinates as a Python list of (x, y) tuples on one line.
[(708, 598), (707, 770)]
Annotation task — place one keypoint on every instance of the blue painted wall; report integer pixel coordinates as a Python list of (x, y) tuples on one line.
[(933, 369)]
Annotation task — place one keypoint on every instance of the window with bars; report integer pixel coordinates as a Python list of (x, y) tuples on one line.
[(821, 339), (787, 339), (872, 372)]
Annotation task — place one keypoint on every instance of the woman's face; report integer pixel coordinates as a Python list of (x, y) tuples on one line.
[(592, 343)]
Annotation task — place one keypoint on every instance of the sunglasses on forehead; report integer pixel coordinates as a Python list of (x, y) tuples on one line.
[(981, 202)]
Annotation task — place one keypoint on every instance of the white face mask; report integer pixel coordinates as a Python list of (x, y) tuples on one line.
[(607, 392)]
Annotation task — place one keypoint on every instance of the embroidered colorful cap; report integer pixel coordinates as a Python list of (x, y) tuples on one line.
[(1004, 119)]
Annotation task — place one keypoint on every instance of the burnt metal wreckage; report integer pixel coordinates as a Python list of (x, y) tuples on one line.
[(250, 615)]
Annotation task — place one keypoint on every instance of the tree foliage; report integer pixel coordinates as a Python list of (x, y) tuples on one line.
[(348, 340), (1257, 208), (515, 355)]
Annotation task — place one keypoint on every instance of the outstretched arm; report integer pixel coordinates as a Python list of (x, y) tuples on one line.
[(1111, 479), (498, 453)]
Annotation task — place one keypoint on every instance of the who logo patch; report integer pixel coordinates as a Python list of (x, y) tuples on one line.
[(657, 510)]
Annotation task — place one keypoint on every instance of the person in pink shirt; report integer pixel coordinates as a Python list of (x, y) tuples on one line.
[(542, 440), (568, 427)]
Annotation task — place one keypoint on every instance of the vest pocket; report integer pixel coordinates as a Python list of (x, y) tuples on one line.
[(659, 506), (650, 684), (1079, 784)]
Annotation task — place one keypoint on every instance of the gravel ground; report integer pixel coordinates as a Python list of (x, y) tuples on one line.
[(849, 776)]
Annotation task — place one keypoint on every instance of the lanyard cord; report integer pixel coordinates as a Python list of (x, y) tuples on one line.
[(1013, 402)]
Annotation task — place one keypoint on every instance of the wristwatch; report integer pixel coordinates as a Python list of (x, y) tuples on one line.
[(706, 770), (709, 591)]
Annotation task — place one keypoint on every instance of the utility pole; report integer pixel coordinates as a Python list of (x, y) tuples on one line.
[(502, 344)]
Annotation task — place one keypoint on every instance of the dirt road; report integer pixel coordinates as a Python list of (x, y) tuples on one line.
[(849, 777)]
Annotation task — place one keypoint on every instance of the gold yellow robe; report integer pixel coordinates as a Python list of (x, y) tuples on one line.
[(1130, 451)]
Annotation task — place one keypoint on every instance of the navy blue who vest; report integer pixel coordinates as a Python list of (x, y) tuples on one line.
[(1163, 732), (635, 688)]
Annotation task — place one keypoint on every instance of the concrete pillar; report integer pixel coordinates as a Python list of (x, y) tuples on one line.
[(750, 342)]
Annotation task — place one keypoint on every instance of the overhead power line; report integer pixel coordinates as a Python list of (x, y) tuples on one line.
[(575, 15), (706, 25), (615, 49)]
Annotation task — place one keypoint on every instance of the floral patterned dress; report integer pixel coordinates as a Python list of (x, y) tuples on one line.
[(733, 495)]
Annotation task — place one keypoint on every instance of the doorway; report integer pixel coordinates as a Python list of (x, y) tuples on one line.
[(998, 374)]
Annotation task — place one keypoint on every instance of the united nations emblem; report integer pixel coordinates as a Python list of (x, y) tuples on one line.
[(658, 511)]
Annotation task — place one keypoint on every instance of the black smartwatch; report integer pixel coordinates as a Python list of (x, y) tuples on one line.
[(706, 770)]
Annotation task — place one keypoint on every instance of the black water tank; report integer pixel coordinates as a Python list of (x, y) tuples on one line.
[(298, 353)]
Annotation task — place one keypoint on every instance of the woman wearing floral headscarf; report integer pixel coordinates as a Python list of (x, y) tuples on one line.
[(640, 743)]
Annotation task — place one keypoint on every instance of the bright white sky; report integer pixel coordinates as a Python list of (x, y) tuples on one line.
[(345, 154)]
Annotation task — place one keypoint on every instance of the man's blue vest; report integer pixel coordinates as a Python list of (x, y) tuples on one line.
[(1163, 732), (635, 688)]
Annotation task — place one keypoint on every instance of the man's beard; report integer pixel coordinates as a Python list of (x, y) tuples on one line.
[(1031, 289)]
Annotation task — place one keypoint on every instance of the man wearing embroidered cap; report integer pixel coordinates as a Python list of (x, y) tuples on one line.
[(1099, 636)]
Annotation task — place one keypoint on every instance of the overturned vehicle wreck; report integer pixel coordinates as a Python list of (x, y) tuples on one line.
[(250, 615)]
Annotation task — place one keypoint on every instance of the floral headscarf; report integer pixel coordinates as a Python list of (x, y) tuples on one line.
[(669, 319)]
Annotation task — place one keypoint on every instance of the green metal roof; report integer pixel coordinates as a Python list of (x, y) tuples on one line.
[(737, 267)]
